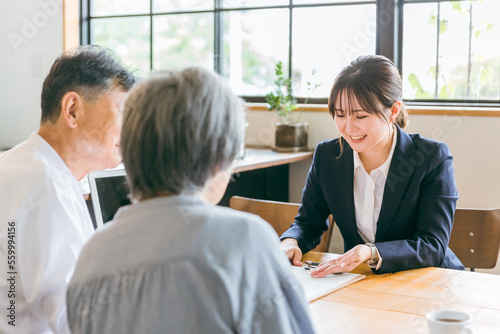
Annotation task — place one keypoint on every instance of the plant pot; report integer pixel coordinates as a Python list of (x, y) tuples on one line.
[(291, 137)]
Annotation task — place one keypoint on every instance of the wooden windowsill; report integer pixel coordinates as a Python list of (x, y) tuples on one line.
[(308, 107), (412, 110), (455, 111)]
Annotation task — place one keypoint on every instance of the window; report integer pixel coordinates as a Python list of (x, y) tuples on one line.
[(451, 51), (447, 50)]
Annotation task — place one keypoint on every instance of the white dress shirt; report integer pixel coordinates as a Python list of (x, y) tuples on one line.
[(42, 206), (368, 195)]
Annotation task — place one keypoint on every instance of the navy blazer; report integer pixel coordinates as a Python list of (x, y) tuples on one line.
[(418, 205)]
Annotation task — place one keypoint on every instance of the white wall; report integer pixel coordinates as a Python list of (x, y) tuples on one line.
[(31, 38), (473, 142)]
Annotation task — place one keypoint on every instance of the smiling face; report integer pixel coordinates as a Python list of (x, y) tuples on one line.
[(101, 129), (365, 132)]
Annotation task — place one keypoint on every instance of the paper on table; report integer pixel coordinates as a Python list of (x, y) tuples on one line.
[(315, 288)]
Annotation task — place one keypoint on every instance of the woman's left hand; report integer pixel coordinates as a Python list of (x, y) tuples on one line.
[(344, 263)]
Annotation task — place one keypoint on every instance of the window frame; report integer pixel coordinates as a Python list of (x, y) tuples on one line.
[(426, 103), (389, 22)]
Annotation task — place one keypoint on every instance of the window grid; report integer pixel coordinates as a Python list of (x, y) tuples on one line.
[(390, 47), (218, 9), (436, 100)]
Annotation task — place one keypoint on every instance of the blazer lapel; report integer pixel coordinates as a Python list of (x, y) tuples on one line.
[(400, 172)]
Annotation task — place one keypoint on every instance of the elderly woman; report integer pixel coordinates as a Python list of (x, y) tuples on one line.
[(173, 262)]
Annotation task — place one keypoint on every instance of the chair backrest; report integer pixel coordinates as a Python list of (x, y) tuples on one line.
[(475, 237), (280, 215)]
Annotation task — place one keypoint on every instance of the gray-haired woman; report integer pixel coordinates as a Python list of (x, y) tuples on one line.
[(173, 262)]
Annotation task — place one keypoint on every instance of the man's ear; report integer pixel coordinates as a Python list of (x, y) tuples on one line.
[(71, 108), (395, 111)]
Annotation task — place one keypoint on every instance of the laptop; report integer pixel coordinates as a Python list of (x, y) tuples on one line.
[(108, 192)]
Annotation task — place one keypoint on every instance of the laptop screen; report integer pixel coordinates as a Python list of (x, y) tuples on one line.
[(108, 191)]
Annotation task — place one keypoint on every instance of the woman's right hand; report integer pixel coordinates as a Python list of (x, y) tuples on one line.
[(291, 248)]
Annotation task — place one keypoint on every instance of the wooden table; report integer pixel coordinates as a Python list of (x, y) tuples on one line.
[(397, 303), (263, 158), (262, 174)]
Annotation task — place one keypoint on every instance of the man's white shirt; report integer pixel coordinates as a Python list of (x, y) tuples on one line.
[(44, 223)]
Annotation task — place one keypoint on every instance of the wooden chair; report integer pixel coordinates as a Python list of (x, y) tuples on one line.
[(280, 215), (475, 237)]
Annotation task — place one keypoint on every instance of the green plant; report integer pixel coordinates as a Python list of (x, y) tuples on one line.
[(281, 99)]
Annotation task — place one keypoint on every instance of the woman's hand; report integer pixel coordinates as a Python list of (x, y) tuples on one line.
[(345, 262), (291, 248)]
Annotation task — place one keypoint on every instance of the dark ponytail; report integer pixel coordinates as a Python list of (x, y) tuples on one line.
[(402, 120)]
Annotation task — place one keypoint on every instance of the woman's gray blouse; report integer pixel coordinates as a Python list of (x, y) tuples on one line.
[(180, 265)]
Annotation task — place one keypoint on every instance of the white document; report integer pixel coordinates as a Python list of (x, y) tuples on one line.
[(315, 288)]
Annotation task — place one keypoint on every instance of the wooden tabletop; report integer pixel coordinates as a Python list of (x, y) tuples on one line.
[(263, 158), (398, 303)]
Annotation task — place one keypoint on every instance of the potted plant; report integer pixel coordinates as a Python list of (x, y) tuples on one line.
[(291, 135)]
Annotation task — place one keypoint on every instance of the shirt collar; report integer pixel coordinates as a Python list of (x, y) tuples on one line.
[(357, 160), (384, 168), (50, 154)]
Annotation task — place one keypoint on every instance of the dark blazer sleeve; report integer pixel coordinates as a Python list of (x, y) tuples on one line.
[(311, 221), (432, 201)]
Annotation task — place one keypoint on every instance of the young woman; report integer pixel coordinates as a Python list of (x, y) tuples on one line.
[(392, 195)]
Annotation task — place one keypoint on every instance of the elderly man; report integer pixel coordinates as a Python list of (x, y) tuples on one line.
[(44, 221)]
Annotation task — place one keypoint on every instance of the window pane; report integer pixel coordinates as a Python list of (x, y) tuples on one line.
[(250, 50), (326, 39), (485, 68), (468, 61), (181, 5), (183, 40), (118, 7), (453, 51), (128, 37), (252, 3), (419, 51)]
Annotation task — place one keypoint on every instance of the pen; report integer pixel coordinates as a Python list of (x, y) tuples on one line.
[(310, 264)]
